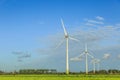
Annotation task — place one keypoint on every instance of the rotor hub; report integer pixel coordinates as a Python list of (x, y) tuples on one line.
[(66, 36)]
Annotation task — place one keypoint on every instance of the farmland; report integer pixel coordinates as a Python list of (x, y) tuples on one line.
[(59, 77)]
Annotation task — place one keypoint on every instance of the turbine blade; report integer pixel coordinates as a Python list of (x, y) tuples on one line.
[(81, 54), (76, 59), (74, 39), (65, 32), (91, 56), (60, 43), (93, 60), (86, 49), (98, 60)]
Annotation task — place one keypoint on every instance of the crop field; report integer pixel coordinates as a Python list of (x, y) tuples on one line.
[(60, 77)]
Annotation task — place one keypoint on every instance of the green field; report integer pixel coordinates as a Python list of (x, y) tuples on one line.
[(60, 77)]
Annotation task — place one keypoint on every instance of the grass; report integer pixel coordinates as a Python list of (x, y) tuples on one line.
[(60, 77)]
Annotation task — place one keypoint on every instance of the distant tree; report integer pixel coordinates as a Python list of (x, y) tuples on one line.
[(103, 72), (113, 71), (1, 72)]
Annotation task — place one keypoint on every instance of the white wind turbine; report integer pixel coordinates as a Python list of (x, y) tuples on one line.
[(98, 64), (95, 61), (67, 37), (86, 53)]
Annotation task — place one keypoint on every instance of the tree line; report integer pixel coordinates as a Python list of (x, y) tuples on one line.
[(54, 71), (38, 71)]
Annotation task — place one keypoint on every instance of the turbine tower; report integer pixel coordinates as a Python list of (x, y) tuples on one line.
[(98, 64), (66, 37)]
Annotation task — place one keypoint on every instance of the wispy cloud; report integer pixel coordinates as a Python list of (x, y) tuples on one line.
[(99, 18), (95, 22), (90, 24), (17, 52), (106, 56), (25, 56), (21, 55)]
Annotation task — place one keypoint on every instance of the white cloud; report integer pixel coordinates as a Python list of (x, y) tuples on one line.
[(95, 22), (106, 56), (99, 18), (90, 24)]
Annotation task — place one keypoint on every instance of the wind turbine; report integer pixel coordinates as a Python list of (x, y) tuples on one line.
[(86, 53), (66, 37), (98, 64), (95, 61)]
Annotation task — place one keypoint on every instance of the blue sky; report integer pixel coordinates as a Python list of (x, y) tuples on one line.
[(33, 28)]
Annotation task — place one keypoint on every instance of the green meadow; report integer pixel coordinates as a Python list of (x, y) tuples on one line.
[(59, 77)]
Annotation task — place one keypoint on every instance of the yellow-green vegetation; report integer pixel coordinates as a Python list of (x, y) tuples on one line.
[(60, 77)]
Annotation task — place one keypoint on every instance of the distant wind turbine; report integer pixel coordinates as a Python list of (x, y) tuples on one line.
[(67, 37), (95, 61), (86, 53)]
